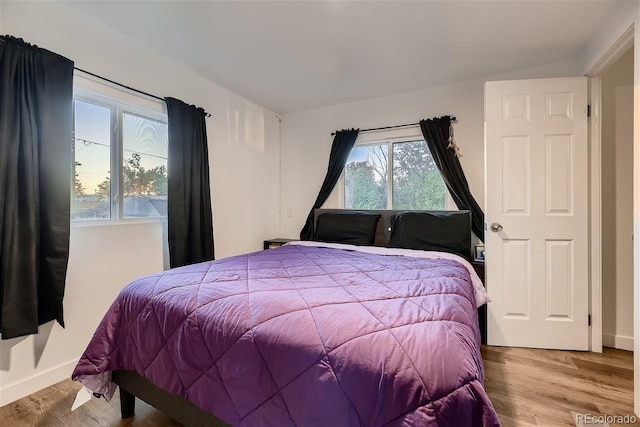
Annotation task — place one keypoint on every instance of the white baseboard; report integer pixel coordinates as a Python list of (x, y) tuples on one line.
[(617, 341), (27, 386)]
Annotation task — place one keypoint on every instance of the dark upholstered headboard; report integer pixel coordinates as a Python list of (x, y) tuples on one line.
[(383, 231)]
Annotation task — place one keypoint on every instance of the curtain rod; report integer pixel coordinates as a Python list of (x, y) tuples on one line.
[(453, 119), (127, 87)]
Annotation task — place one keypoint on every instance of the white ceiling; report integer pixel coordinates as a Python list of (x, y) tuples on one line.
[(297, 55)]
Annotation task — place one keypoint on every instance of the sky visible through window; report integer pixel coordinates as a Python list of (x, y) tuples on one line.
[(147, 138), (93, 145), (143, 170)]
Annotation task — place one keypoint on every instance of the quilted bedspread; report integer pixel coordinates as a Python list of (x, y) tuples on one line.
[(304, 336)]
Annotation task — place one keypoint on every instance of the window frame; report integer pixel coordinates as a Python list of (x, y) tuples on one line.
[(395, 137), (119, 103)]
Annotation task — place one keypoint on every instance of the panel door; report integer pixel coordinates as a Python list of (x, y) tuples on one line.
[(537, 246)]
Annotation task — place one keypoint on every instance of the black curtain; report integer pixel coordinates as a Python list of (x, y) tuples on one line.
[(439, 136), (189, 195), (340, 150), (36, 122)]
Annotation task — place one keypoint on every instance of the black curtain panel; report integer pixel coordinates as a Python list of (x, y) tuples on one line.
[(189, 195), (36, 123), (340, 150), (439, 136)]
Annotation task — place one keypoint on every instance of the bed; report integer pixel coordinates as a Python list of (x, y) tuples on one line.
[(340, 332)]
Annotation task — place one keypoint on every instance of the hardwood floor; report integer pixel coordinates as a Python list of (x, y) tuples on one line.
[(527, 387), (531, 387), (51, 407)]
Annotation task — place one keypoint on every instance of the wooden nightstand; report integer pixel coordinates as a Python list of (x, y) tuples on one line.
[(276, 243), (478, 266)]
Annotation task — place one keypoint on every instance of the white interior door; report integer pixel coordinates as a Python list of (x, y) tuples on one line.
[(536, 149)]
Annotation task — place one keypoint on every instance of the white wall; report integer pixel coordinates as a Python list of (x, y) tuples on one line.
[(617, 203), (244, 165), (306, 140), (306, 136)]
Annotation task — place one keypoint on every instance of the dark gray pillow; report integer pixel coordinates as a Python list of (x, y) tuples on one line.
[(350, 227), (432, 231)]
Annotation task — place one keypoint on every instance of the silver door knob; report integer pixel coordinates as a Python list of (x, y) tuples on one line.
[(495, 227)]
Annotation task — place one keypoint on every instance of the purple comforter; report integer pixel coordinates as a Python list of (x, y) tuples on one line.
[(305, 336)]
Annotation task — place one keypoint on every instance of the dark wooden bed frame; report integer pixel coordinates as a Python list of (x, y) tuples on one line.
[(133, 385)]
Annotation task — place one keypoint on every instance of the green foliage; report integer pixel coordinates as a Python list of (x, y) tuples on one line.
[(419, 192), (78, 188), (137, 180), (362, 191), (103, 190), (141, 181), (417, 183)]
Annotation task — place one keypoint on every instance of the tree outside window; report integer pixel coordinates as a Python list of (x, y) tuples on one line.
[(414, 184)]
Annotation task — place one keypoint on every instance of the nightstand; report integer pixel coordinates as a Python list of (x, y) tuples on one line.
[(276, 243), (478, 266)]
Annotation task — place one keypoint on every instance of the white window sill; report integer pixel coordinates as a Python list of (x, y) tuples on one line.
[(80, 223)]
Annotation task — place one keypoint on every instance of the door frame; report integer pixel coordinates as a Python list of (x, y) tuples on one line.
[(624, 42), (595, 220)]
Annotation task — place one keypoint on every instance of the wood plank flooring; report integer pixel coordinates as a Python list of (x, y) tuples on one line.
[(530, 387), (51, 407), (527, 387)]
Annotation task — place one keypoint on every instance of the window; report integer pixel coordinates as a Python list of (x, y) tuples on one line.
[(120, 160), (393, 175)]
